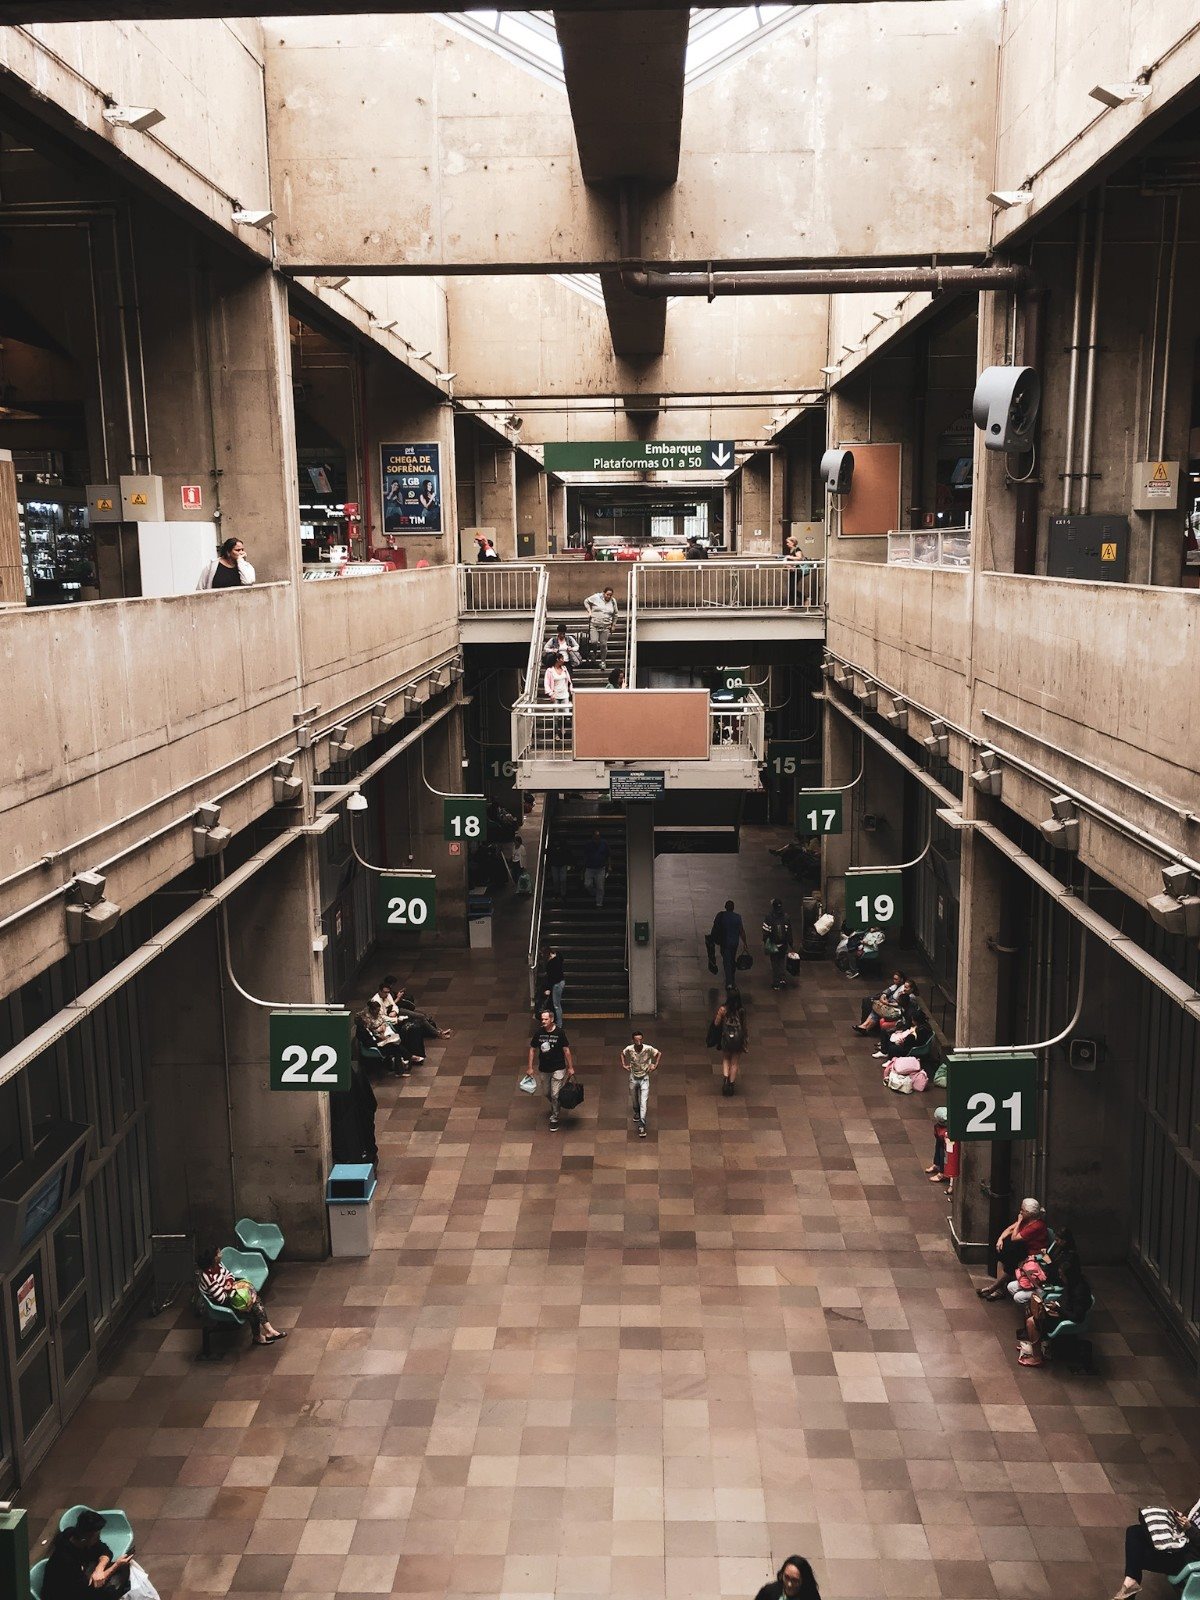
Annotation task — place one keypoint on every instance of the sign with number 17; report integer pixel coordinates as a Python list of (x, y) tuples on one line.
[(819, 811), (463, 818)]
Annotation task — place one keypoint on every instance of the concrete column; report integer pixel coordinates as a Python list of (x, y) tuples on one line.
[(498, 494), (443, 770), (533, 508), (639, 870), (754, 535), (777, 467), (12, 581), (400, 409), (837, 849), (556, 494)]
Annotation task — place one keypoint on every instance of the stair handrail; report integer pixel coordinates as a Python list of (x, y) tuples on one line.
[(631, 630), (534, 662), (539, 891)]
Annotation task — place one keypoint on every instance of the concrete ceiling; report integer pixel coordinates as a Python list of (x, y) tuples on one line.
[(25, 11)]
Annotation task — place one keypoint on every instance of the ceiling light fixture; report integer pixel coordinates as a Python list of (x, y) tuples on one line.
[(938, 740), (286, 786), (1119, 94), (987, 777), (137, 117), (356, 801), (253, 219), (1006, 199)]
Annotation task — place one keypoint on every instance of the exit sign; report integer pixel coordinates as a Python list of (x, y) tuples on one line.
[(667, 455)]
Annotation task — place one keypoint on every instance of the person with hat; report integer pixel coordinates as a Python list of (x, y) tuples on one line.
[(777, 941)]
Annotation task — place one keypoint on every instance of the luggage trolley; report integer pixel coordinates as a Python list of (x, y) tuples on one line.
[(173, 1264)]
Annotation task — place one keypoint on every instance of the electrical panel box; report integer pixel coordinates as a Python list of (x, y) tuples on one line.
[(142, 499), (1095, 548), (172, 555), (104, 502), (811, 538), (1155, 486)]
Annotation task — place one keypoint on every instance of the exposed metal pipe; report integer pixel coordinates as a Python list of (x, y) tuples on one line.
[(1073, 368), (653, 284), (91, 256), (1089, 382), (1032, 347), (137, 329), (1168, 322)]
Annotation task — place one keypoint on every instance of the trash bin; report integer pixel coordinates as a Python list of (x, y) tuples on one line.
[(479, 931), (350, 1197)]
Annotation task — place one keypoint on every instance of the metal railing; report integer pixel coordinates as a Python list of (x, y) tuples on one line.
[(930, 547), (631, 632), (495, 586), (533, 666), (730, 585), (539, 892), (737, 731)]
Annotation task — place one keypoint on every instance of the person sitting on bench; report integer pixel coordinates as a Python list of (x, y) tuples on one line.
[(223, 1289)]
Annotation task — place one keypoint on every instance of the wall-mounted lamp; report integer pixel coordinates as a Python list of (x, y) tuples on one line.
[(1061, 827), (1006, 199), (380, 721), (438, 679), (356, 801), (444, 377), (287, 787), (341, 745), (898, 715), (137, 117), (89, 915), (384, 324), (988, 776), (339, 282), (938, 740), (209, 838), (253, 219), (1178, 909), (868, 695), (831, 372), (1119, 94)]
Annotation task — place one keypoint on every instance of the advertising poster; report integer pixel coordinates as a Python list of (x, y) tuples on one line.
[(411, 488), (27, 1306)]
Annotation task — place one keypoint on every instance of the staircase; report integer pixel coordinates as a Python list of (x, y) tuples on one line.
[(591, 942), (591, 676)]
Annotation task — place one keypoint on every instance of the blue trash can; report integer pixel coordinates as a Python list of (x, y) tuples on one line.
[(350, 1198)]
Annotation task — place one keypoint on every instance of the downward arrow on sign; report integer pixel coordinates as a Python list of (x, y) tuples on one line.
[(721, 455)]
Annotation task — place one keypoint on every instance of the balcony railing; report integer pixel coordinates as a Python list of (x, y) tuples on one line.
[(545, 732), (730, 586), (930, 547), (496, 587)]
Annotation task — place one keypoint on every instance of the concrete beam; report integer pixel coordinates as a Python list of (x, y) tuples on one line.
[(624, 73), (638, 327)]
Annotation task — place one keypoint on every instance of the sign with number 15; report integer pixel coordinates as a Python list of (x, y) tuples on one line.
[(310, 1050), (407, 902), (463, 817), (991, 1097)]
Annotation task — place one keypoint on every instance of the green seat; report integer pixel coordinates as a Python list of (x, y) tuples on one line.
[(36, 1574), (1065, 1329), (214, 1316), (264, 1237), (1187, 1579), (116, 1532), (248, 1264)]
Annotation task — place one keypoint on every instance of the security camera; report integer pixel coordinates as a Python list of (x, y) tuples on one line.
[(897, 716), (380, 720), (341, 745), (1178, 909), (357, 801), (837, 470), (1061, 828), (209, 838), (1005, 406)]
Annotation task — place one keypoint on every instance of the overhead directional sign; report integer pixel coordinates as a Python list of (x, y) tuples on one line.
[(407, 901), (991, 1097), (463, 818), (665, 455), (873, 898)]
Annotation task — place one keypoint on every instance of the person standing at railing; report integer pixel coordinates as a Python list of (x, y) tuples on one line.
[(601, 608), (695, 550), (798, 566), (558, 684)]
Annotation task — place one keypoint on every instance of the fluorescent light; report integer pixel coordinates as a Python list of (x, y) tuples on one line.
[(422, 355), (253, 219), (1006, 199), (332, 283), (1119, 94), (384, 324), (137, 117)]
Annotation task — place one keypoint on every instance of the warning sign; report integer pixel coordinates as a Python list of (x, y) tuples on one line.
[(104, 504), (138, 499), (1108, 552), (1156, 485)]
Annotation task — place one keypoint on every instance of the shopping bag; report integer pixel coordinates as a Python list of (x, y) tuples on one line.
[(528, 1084), (140, 1587)]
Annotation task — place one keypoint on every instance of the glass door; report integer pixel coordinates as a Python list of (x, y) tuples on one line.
[(48, 1338)]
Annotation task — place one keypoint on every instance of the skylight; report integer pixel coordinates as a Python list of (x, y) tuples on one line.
[(717, 35)]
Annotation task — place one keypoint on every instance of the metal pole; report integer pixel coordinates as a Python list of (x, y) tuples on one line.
[(1073, 368), (1089, 382)]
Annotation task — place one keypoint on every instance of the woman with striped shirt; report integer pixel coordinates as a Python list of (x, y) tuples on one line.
[(223, 1289)]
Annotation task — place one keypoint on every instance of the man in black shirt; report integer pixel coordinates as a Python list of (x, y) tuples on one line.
[(550, 1053), (82, 1565)]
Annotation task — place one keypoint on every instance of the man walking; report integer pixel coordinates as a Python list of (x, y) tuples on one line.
[(601, 608), (777, 941), (556, 981), (639, 1060), (550, 1053), (728, 935), (595, 866)]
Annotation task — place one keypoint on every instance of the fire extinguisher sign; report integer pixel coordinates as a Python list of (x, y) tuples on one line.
[(192, 496)]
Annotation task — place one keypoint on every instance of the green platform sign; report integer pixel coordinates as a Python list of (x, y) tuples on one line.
[(784, 757), (498, 764), (310, 1050), (463, 818), (673, 455), (874, 898), (406, 902), (819, 811), (991, 1097), (732, 681)]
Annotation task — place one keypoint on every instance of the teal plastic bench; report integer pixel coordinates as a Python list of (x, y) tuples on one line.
[(248, 1264), (36, 1574), (265, 1237), (116, 1532), (214, 1317), (1073, 1338), (1187, 1579)]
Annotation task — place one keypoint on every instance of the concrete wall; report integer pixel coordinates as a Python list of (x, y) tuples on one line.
[(207, 79), (483, 153), (1049, 132)]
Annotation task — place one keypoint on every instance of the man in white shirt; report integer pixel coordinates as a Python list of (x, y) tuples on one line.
[(639, 1060), (602, 613)]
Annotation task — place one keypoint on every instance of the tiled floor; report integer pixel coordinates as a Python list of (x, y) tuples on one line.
[(582, 1365)]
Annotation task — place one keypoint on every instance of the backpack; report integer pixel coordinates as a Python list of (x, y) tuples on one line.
[(732, 1033), (776, 937)]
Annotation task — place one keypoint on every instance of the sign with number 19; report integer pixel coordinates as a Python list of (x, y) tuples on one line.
[(991, 1097), (463, 818), (874, 898), (310, 1050), (407, 902)]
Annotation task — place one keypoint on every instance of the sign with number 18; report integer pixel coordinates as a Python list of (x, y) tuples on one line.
[(463, 818)]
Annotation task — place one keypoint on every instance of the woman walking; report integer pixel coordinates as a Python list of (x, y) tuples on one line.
[(728, 1033)]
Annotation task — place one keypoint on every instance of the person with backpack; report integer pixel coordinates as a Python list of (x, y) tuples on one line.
[(728, 1033), (777, 941)]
